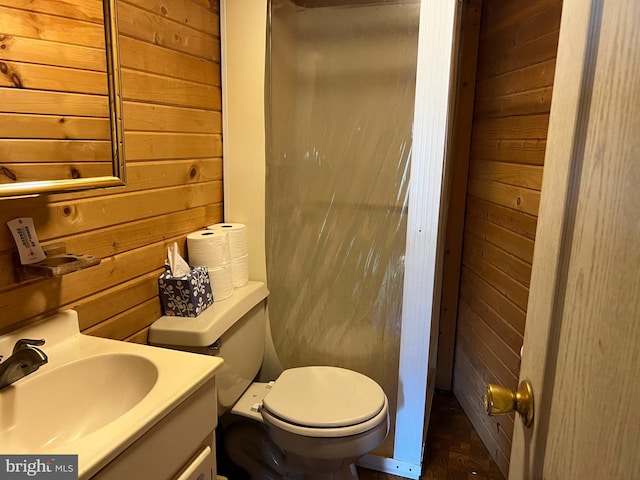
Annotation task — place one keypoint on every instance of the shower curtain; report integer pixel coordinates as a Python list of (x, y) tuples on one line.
[(339, 102)]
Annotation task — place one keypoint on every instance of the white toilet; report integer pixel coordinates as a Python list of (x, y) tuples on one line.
[(311, 422)]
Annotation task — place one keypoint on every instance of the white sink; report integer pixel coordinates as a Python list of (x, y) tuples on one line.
[(94, 397), (64, 404)]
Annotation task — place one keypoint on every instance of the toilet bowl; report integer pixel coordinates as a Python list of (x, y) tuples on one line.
[(312, 422), (323, 418)]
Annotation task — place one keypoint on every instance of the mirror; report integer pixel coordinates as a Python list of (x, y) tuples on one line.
[(60, 100)]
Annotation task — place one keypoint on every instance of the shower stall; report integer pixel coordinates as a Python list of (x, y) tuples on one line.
[(340, 90), (348, 100)]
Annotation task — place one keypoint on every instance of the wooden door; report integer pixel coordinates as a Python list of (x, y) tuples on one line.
[(582, 338)]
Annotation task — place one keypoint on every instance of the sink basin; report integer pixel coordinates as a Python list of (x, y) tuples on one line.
[(58, 406), (96, 397)]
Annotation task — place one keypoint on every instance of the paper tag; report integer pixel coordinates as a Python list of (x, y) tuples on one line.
[(24, 234)]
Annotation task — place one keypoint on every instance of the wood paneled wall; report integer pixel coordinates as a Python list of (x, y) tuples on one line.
[(170, 70), (514, 80)]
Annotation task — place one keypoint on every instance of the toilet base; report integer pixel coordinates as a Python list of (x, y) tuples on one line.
[(249, 446), (324, 469)]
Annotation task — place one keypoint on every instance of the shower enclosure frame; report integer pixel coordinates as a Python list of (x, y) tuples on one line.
[(243, 43)]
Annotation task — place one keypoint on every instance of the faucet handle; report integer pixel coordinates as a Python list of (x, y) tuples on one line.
[(27, 342)]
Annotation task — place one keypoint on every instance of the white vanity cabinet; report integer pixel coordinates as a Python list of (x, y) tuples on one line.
[(128, 411), (181, 446), (202, 467)]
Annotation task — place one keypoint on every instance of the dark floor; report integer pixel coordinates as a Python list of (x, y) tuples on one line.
[(453, 451)]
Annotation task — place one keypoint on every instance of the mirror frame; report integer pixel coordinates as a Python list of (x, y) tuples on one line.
[(117, 132)]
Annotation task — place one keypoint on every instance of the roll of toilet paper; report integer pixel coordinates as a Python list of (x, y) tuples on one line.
[(237, 233), (208, 248), (240, 270), (221, 282)]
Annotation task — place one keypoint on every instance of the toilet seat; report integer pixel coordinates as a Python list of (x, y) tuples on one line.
[(323, 401), (328, 432)]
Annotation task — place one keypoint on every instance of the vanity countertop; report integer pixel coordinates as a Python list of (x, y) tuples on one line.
[(95, 396)]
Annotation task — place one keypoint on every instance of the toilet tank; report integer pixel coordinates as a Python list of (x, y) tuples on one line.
[(233, 329)]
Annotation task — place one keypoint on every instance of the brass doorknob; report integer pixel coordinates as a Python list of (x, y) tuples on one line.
[(499, 400)]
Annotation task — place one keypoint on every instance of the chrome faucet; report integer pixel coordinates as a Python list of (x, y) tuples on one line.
[(26, 359)]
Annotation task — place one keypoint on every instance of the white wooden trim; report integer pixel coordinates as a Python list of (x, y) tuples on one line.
[(390, 465), (424, 236)]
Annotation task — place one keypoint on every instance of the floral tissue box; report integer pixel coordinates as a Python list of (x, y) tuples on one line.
[(186, 296)]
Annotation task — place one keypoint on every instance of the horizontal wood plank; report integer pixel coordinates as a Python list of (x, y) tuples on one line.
[(507, 332), (42, 297), (532, 102), (128, 323), (58, 79), (146, 175), (60, 151), (162, 118), (523, 32), (53, 103), (525, 79), (513, 314), (530, 152), (71, 217), (524, 38), (143, 25), (185, 11), (54, 127), (536, 51), (518, 222), (33, 172), (146, 57), (527, 176), (499, 15), (506, 239), (51, 53), (122, 238), (147, 87), (513, 290), (157, 146), (88, 11), (530, 127), (474, 287), (113, 301), (23, 23), (477, 248), (117, 239), (518, 198), (475, 327), (494, 364), (115, 210), (141, 337)]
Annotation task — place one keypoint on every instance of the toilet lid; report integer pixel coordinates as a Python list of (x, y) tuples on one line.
[(324, 397)]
